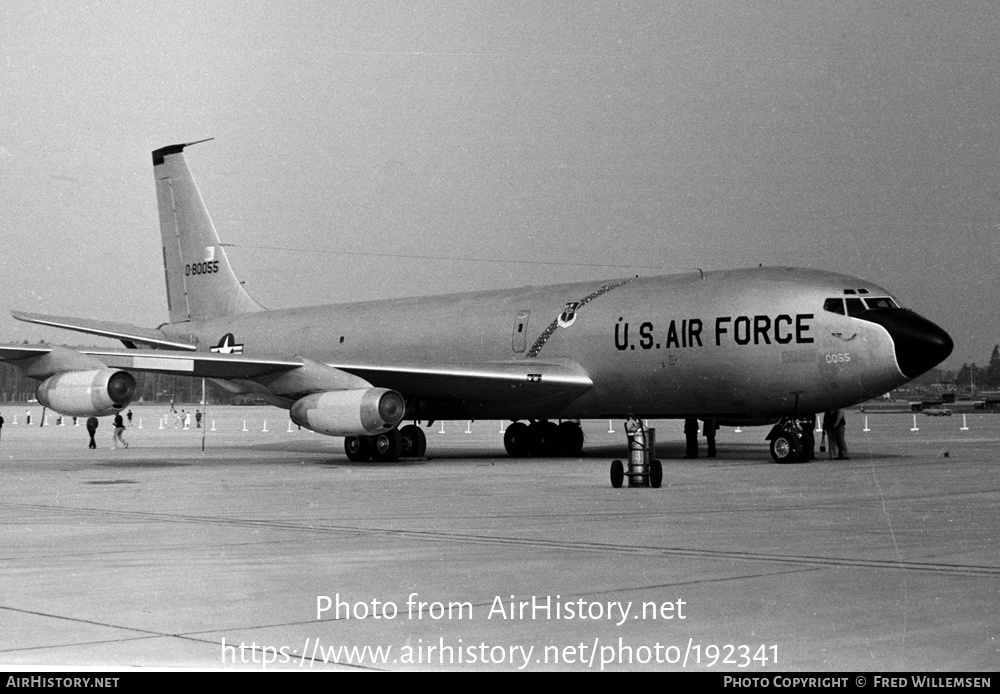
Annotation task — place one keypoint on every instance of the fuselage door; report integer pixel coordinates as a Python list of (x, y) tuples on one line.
[(520, 331)]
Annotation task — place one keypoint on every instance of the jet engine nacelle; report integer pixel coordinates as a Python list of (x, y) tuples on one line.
[(359, 412), (87, 393)]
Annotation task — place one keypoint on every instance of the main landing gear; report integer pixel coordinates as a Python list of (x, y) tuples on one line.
[(543, 438), (406, 442)]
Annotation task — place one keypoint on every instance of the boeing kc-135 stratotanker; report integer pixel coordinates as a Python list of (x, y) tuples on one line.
[(740, 346)]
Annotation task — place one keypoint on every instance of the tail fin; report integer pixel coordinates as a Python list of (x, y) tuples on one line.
[(200, 282)]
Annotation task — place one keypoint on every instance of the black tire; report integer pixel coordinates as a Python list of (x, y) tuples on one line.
[(414, 442), (517, 440), (570, 438), (386, 447), (617, 473), (421, 448), (544, 438), (786, 448), (358, 448), (655, 474)]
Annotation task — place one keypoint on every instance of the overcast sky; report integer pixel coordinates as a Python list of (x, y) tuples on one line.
[(378, 144)]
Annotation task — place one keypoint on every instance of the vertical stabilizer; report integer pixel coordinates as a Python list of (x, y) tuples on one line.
[(200, 282)]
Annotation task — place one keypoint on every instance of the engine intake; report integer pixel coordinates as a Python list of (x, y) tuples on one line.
[(359, 412), (87, 393)]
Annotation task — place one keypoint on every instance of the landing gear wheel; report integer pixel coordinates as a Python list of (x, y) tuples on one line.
[(617, 474), (387, 446), (414, 441), (655, 474), (358, 448), (570, 438), (544, 437), (516, 440), (786, 448)]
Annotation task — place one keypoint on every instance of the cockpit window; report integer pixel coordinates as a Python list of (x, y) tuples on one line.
[(880, 302), (855, 306), (834, 306)]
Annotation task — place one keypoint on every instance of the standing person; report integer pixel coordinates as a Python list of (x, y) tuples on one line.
[(839, 429), (197, 419), (119, 430), (691, 436), (27, 416), (808, 424), (831, 440), (92, 423), (1, 424), (709, 429), (129, 417)]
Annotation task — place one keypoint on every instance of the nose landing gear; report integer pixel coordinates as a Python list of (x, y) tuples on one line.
[(787, 445)]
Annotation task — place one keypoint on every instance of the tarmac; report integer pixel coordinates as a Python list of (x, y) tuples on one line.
[(270, 550)]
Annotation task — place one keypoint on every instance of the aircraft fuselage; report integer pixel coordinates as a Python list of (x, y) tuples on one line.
[(730, 344)]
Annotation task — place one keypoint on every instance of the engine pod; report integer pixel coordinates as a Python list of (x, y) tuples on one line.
[(87, 393), (357, 412)]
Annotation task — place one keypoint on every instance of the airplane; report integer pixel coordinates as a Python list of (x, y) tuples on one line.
[(752, 346)]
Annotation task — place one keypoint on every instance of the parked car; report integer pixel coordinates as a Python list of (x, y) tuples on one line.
[(938, 411)]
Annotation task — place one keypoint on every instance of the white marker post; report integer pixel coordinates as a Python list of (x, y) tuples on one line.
[(965, 427), (442, 427), (468, 428), (611, 429), (866, 424), (264, 430), (204, 416), (914, 424)]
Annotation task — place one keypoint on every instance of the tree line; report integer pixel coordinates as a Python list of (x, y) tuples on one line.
[(969, 375)]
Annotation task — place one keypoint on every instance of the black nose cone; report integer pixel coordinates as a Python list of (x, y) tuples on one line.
[(920, 345)]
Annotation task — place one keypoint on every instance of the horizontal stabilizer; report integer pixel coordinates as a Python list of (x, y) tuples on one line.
[(130, 335)]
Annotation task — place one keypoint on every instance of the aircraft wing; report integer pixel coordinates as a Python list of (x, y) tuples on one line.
[(127, 333), (516, 381), (200, 365), (197, 364)]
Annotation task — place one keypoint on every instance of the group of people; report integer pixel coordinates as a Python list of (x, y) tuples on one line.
[(183, 418), (833, 439), (119, 425), (116, 438), (691, 436)]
